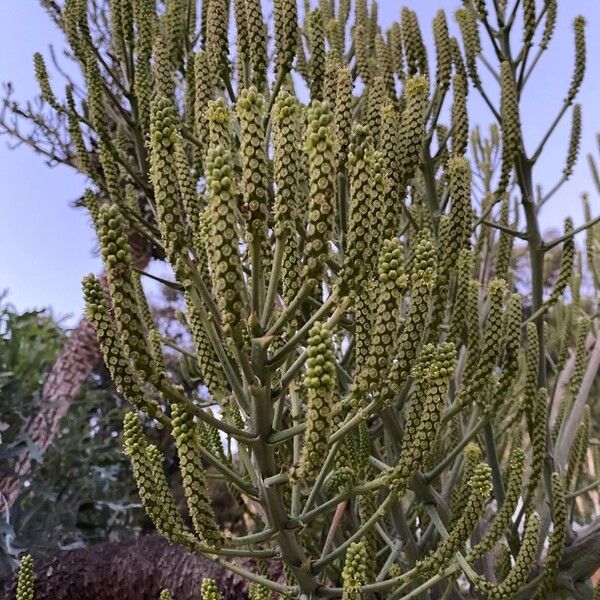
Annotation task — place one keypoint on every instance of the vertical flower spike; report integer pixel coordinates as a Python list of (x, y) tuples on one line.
[(41, 75), (458, 320), (217, 30), (529, 21), (208, 362), (359, 231), (164, 69), (477, 386), (578, 451), (194, 477), (384, 62), (219, 124), (224, 240), (581, 352), (354, 574), (505, 245), (556, 544), (432, 374), (519, 573), (144, 14), (164, 127), (376, 97), (511, 123), (460, 117), (388, 296), (423, 278), (580, 59), (567, 260), (25, 582), (512, 345), (286, 34), (146, 462), (412, 42), (209, 590), (242, 42), (574, 142), (538, 443), (320, 383), (396, 50), (329, 93), (316, 39), (531, 374), (203, 88), (364, 63), (549, 24), (113, 352), (82, 155), (467, 21), (443, 49), (117, 260), (255, 181), (257, 35), (321, 163), (389, 146), (480, 485), (455, 236), (342, 119), (503, 519), (412, 126), (460, 494), (287, 175)]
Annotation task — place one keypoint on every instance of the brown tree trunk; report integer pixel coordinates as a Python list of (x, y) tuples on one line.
[(133, 570), (74, 365)]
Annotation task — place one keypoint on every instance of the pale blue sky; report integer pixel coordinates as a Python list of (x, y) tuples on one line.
[(46, 246)]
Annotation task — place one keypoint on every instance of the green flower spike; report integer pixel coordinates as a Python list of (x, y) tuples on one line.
[(255, 181), (342, 118), (511, 123), (209, 590), (147, 465), (376, 98), (574, 142), (384, 61), (480, 485), (443, 49), (432, 374), (194, 477), (354, 574), (257, 35), (503, 519), (321, 212), (165, 595), (567, 261), (319, 383), (412, 42), (423, 279), (164, 136), (115, 358), (556, 543), (217, 29), (412, 126), (287, 34), (460, 494), (288, 175), (519, 572), (224, 239), (396, 50), (123, 292), (25, 582), (467, 21), (460, 117), (41, 74), (388, 293), (316, 39), (220, 131), (458, 320), (580, 59)]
